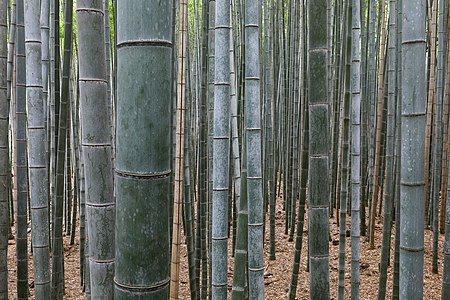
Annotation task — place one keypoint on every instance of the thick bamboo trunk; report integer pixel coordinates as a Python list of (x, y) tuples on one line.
[(221, 150), (413, 121), (318, 151), (254, 147), (144, 94)]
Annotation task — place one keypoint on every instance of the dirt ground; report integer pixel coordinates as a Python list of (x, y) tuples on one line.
[(277, 272)]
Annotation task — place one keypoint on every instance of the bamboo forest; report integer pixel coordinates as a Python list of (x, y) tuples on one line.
[(224, 149)]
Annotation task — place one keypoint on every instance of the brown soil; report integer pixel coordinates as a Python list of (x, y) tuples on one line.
[(277, 272)]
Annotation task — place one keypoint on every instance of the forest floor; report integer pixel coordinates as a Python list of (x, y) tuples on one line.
[(278, 272)]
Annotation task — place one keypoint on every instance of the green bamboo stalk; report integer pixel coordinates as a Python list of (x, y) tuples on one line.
[(241, 251), (345, 154), (234, 129), (355, 173), (221, 156), (413, 142), (11, 52), (75, 153), (51, 114), (431, 108), (371, 95), (87, 272), (189, 194), (304, 161), (318, 151), (364, 117), (364, 121), (68, 183), (437, 164), (296, 123), (271, 94), (74, 159), (83, 228), (207, 273), (142, 149), (37, 154), (396, 279), (446, 271), (378, 139), (21, 158), (10, 70), (390, 144), (4, 152), (335, 108), (179, 152), (201, 251), (45, 55), (57, 248), (56, 79), (254, 161), (96, 145)]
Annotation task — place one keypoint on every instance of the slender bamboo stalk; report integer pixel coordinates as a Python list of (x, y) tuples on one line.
[(390, 136), (437, 163), (254, 161), (21, 158), (376, 173), (179, 152), (355, 172), (221, 156), (446, 140), (45, 40), (56, 78), (62, 121), (301, 208), (431, 97), (37, 154), (241, 252), (96, 144), (188, 184), (4, 152), (201, 251), (345, 154), (396, 279)]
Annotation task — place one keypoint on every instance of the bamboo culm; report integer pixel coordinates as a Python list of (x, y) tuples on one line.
[(413, 118)]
